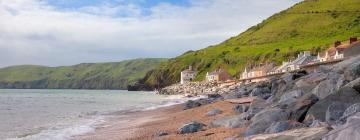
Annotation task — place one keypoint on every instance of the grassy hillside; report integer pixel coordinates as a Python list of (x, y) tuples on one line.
[(309, 25), (116, 75)]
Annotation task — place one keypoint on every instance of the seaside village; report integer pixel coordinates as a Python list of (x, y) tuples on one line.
[(216, 80)]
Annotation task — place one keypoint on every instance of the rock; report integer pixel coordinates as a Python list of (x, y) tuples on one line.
[(214, 96), (263, 92), (315, 133), (346, 95), (352, 71), (214, 112), (263, 120), (255, 107), (291, 97), (335, 111), (351, 110), (236, 121), (348, 131), (191, 104), (196, 103), (354, 84), (299, 109), (191, 128), (288, 77), (325, 88), (281, 126), (238, 109), (317, 123), (160, 134)]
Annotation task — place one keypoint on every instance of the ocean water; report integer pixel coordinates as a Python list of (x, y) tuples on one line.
[(61, 114)]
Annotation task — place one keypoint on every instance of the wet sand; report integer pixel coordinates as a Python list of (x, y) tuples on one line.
[(143, 125)]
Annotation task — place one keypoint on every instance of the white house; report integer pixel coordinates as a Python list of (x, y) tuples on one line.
[(187, 75)]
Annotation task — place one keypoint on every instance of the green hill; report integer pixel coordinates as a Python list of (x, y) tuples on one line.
[(116, 75), (309, 25)]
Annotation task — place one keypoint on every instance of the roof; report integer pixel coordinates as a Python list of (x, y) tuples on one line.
[(266, 67), (341, 48)]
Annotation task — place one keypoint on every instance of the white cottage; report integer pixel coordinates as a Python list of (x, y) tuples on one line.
[(187, 75)]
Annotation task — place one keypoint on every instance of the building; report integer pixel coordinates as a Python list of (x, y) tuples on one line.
[(218, 75), (259, 71), (302, 59), (340, 50), (188, 75)]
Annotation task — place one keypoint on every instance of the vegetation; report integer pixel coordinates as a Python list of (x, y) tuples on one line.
[(116, 75), (309, 25)]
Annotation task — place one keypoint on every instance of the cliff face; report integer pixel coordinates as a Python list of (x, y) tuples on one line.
[(309, 25), (116, 75)]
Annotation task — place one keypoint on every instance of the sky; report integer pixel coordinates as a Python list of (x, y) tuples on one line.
[(68, 32)]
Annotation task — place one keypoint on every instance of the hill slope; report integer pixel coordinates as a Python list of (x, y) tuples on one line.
[(309, 25), (116, 75)]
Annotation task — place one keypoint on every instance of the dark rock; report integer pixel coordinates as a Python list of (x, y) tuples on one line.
[(214, 112), (238, 109), (325, 88), (348, 131), (346, 95), (214, 96), (315, 133), (351, 110), (352, 71), (301, 106), (277, 127), (290, 97), (236, 121), (263, 92), (196, 103), (191, 128), (335, 111), (160, 134), (263, 120), (354, 84)]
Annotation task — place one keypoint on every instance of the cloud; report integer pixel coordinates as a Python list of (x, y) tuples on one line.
[(36, 32)]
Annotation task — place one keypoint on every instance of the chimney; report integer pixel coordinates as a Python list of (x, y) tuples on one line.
[(337, 43), (190, 67), (353, 39)]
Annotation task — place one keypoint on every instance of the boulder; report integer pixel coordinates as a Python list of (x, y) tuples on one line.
[(263, 92), (348, 131), (291, 97), (263, 120), (299, 109), (354, 84), (315, 133), (213, 112), (191, 128), (325, 88), (255, 107), (346, 95), (238, 109), (317, 123), (281, 126), (191, 104), (334, 112), (236, 121), (351, 110), (196, 103), (352, 71)]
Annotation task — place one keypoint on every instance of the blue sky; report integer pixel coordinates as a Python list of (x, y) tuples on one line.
[(68, 32), (145, 5)]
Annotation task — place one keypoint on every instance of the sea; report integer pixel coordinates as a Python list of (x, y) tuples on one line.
[(41, 114)]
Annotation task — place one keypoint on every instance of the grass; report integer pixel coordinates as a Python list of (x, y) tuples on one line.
[(309, 25), (116, 75)]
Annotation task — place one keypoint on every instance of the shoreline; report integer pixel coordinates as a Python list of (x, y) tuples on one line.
[(145, 124)]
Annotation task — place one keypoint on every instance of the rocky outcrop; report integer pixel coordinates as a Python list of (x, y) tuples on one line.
[(345, 95), (315, 133), (348, 131)]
